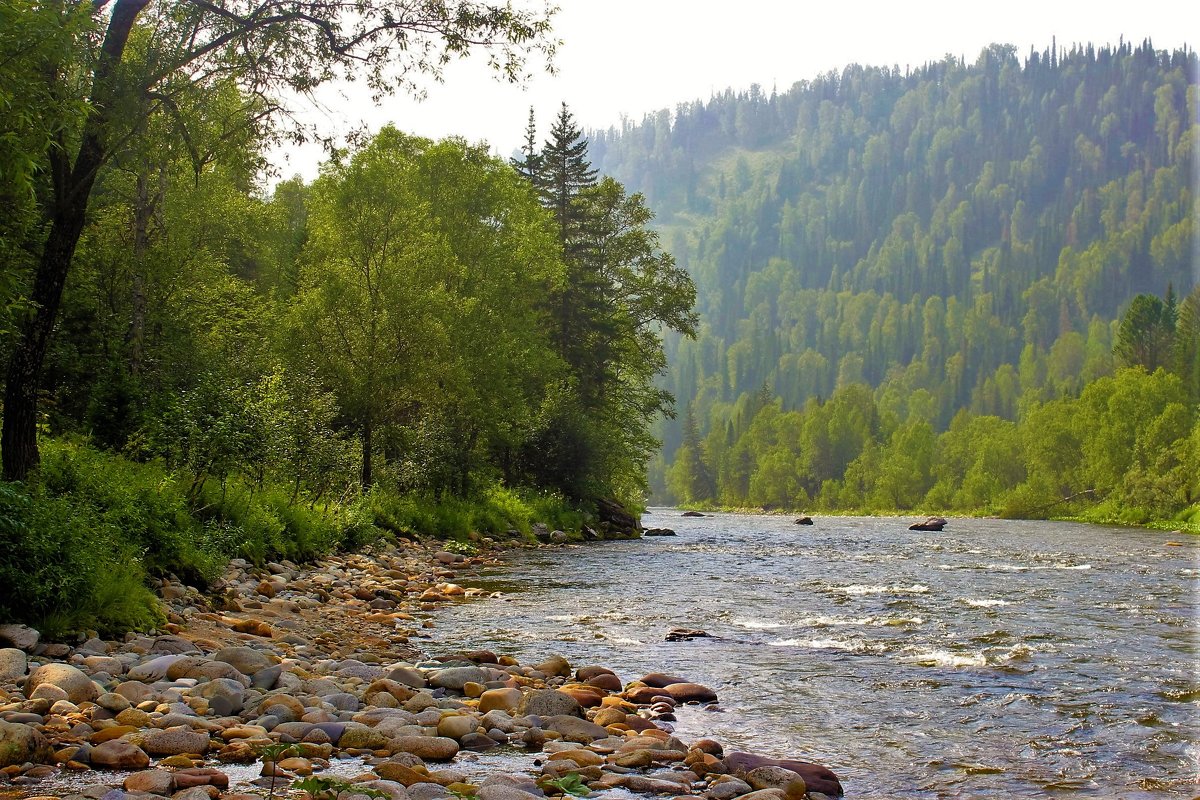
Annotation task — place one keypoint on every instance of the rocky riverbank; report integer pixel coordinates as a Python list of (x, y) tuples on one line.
[(280, 672)]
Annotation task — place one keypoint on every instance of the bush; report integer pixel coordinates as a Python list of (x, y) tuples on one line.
[(66, 568)]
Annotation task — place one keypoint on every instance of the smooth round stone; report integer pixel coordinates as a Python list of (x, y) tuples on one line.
[(409, 676), (175, 741), (78, 687), (506, 700), (267, 678), (110, 701), (690, 693), (151, 781), (455, 678), (20, 743), (245, 660), (548, 703), (153, 670), (135, 692), (118, 754), (457, 726), (428, 748), (343, 701), (479, 742), (13, 664)]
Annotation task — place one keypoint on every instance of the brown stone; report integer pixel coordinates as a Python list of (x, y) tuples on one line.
[(690, 693), (119, 754), (817, 778), (153, 781)]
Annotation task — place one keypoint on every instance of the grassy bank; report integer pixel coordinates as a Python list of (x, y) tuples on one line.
[(84, 541)]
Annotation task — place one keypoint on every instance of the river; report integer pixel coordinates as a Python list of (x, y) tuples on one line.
[(997, 658)]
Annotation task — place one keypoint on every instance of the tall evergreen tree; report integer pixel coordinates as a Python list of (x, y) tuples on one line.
[(529, 166)]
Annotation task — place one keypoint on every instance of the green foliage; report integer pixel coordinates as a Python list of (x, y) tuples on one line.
[(570, 784), (67, 568), (962, 235), (321, 787)]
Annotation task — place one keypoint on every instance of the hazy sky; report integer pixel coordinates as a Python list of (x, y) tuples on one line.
[(630, 57)]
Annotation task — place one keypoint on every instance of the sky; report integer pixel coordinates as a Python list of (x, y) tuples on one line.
[(627, 58)]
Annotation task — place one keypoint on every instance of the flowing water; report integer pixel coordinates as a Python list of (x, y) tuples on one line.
[(997, 658)]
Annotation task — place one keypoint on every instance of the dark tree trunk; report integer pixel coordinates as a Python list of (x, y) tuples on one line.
[(72, 189), (367, 478)]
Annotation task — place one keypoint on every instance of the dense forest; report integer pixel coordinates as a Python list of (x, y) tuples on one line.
[(912, 285), (427, 339)]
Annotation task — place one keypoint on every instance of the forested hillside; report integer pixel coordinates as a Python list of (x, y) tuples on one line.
[(934, 249)]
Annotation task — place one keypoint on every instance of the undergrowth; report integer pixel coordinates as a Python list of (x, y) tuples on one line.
[(89, 535)]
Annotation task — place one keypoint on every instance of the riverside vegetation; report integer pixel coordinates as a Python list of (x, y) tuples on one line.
[(424, 340)]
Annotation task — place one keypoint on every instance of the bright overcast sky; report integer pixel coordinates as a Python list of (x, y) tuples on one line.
[(630, 57)]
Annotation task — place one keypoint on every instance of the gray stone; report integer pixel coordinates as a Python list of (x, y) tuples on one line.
[(548, 703), (427, 791), (173, 645), (21, 637), (223, 688), (502, 792), (428, 748), (79, 687), (409, 676), (20, 743), (343, 701), (245, 660), (455, 678), (574, 729), (175, 741), (153, 670), (13, 664), (728, 788), (266, 678), (393, 790), (352, 668)]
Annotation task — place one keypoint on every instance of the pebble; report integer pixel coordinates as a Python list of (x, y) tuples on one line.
[(321, 661)]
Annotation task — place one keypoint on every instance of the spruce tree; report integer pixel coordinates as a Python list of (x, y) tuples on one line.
[(529, 166), (564, 174)]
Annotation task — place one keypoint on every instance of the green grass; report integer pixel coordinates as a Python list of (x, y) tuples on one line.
[(86, 539)]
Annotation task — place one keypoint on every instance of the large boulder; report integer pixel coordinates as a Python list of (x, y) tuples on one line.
[(20, 743), (78, 686)]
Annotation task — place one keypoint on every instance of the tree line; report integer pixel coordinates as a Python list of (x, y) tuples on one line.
[(201, 367), (963, 235)]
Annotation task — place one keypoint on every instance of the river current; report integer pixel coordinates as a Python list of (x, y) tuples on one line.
[(997, 658)]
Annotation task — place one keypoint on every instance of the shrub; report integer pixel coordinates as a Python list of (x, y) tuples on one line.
[(66, 568)]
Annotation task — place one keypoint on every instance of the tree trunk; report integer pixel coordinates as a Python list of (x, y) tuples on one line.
[(18, 438), (366, 455)]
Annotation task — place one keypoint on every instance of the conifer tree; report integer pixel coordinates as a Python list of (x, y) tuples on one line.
[(529, 166)]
